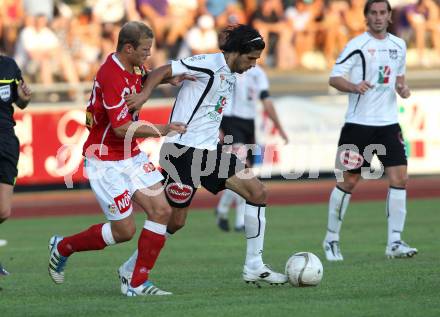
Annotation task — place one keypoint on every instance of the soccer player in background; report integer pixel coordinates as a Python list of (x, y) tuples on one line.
[(375, 64), (118, 171), (196, 158), (238, 122), (13, 90)]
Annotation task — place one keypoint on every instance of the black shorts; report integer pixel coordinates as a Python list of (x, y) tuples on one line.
[(9, 152), (242, 131), (358, 143), (185, 169)]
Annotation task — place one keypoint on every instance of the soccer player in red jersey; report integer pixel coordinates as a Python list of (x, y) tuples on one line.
[(118, 171)]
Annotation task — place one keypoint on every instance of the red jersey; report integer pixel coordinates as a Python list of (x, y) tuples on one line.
[(107, 110)]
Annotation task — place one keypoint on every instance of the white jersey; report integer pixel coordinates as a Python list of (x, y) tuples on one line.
[(200, 103), (247, 92), (379, 62)]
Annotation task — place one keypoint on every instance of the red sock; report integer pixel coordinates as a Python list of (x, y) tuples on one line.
[(149, 246), (90, 239)]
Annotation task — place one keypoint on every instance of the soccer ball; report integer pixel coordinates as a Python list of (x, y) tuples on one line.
[(304, 269)]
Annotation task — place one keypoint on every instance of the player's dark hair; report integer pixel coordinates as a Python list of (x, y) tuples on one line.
[(369, 3), (131, 33), (240, 38)]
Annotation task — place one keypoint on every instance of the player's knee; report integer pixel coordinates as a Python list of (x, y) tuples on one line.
[(350, 182), (399, 181), (162, 214), (124, 234)]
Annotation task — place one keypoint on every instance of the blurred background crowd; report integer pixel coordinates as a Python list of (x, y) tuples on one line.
[(66, 41)]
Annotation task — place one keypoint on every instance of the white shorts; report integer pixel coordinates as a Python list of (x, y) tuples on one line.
[(115, 182)]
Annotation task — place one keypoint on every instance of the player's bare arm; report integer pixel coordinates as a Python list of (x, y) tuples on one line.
[(160, 74), (402, 88), (150, 130), (271, 112), (24, 95), (176, 80), (342, 84)]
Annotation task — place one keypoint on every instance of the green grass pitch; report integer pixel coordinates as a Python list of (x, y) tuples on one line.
[(202, 267)]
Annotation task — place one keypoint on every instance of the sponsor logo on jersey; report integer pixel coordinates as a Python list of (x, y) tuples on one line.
[(179, 193), (5, 92), (122, 114), (123, 201), (216, 115), (384, 74), (221, 102), (112, 208), (137, 70), (149, 167), (351, 159), (393, 53), (371, 51)]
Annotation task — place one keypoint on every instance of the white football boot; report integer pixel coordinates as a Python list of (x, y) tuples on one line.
[(145, 289), (3, 271), (399, 249), (263, 274), (57, 262), (332, 251), (124, 278)]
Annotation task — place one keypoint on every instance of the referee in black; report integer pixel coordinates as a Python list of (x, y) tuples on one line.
[(13, 90)]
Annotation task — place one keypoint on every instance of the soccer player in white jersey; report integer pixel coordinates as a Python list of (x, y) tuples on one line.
[(375, 65), (196, 158), (238, 123), (118, 171)]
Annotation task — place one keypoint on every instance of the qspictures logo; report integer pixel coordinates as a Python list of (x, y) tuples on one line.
[(384, 74)]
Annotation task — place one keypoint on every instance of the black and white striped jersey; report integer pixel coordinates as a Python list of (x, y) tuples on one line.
[(379, 62), (200, 103)]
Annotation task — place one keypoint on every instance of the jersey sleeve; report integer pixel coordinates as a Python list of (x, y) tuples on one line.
[(345, 61), (262, 83), (192, 66), (402, 66), (17, 78), (113, 92)]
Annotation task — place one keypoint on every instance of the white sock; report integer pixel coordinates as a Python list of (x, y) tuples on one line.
[(337, 207), (131, 262), (396, 213), (225, 203), (155, 227), (240, 208), (107, 234), (255, 225)]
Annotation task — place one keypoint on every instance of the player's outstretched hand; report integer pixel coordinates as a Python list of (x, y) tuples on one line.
[(23, 90), (176, 80), (176, 128), (403, 91), (363, 87), (135, 101)]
